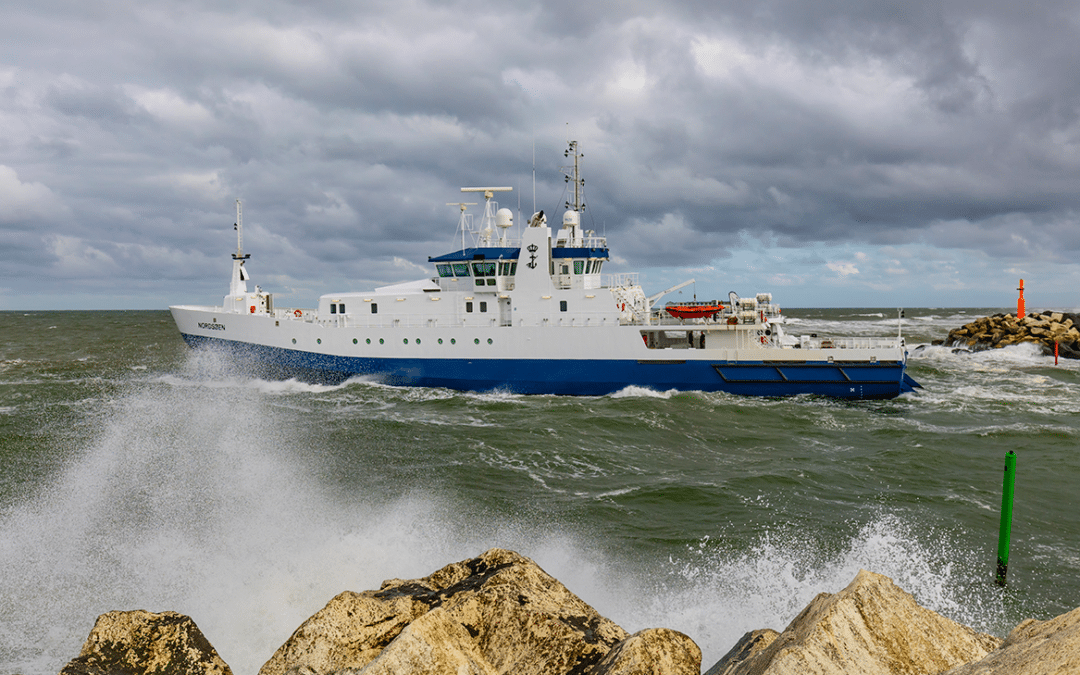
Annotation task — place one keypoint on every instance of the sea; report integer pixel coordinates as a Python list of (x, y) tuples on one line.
[(136, 473)]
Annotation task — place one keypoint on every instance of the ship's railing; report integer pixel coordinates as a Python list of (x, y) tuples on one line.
[(291, 313), (622, 279), (808, 342), (582, 242)]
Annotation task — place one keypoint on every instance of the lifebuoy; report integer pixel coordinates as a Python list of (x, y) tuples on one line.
[(624, 307), (253, 309), (298, 313)]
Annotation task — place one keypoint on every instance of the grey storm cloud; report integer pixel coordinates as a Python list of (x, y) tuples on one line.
[(131, 128)]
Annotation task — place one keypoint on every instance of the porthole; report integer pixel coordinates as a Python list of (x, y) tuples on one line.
[(417, 340), (476, 341), (318, 341), (489, 340), (453, 341), (294, 340), (406, 340), (440, 340), (369, 340), (354, 340), (380, 340)]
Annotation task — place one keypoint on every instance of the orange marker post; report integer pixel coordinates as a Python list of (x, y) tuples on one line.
[(1020, 303)]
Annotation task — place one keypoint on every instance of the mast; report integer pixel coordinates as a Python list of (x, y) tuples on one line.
[(239, 274), (573, 174)]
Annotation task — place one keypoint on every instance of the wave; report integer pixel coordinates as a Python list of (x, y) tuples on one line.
[(634, 391)]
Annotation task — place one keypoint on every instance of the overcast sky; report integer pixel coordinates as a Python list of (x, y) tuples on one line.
[(836, 153)]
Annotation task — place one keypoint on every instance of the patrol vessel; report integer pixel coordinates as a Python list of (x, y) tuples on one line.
[(536, 314)]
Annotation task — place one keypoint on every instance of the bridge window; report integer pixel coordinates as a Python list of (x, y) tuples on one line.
[(579, 267), (461, 269), (445, 270), (484, 269)]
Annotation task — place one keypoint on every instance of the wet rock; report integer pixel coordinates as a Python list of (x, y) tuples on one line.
[(499, 612), (140, 642), (652, 651), (1033, 648), (872, 627)]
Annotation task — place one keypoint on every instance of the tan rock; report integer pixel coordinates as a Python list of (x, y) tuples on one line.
[(349, 632), (140, 642), (653, 651), (748, 645), (433, 644), (1034, 648), (520, 620), (872, 627), (1057, 317)]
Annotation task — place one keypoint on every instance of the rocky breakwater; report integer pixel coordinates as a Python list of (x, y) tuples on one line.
[(1001, 330), (500, 613)]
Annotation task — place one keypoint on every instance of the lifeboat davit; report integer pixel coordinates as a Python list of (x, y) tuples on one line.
[(693, 310)]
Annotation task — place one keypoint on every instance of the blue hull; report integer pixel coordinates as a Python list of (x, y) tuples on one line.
[(863, 380)]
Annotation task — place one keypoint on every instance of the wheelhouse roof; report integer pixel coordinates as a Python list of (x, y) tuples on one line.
[(502, 253)]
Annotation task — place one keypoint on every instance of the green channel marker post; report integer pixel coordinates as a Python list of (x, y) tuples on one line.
[(1005, 533)]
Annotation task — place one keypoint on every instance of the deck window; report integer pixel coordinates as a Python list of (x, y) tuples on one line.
[(374, 308), (468, 307), (483, 306), (562, 305), (333, 308), (341, 308)]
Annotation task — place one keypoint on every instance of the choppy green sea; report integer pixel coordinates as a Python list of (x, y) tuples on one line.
[(136, 474)]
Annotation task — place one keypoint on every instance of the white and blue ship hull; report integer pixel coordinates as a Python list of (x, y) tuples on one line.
[(483, 360)]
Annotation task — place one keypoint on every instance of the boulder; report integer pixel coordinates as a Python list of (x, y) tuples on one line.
[(652, 651), (1033, 648), (498, 613), (140, 642), (872, 627), (432, 644), (747, 646)]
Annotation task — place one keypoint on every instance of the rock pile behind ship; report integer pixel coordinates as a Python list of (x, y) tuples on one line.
[(500, 613), (1001, 330)]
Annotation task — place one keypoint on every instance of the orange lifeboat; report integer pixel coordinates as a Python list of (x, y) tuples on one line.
[(693, 310)]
